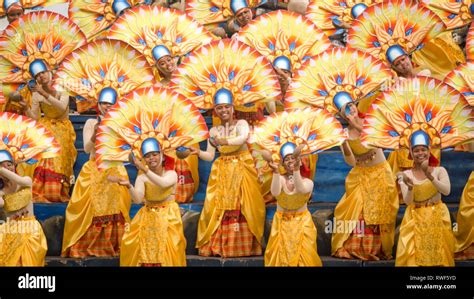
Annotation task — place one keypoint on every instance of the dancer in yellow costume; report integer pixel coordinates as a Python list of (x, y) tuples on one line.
[(332, 80), (22, 241), (434, 116), (218, 76), (333, 71), (31, 50), (286, 136), (369, 207), (161, 121), (164, 36), (411, 25), (392, 31), (98, 210), (282, 37)]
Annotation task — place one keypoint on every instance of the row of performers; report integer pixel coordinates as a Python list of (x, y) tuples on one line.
[(154, 124), (41, 41)]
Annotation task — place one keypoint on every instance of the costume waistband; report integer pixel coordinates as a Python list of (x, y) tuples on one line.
[(159, 204), (426, 204)]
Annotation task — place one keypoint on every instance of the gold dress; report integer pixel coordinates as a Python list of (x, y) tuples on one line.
[(156, 234), (426, 237), (293, 236), (371, 201), (52, 177), (440, 55), (96, 214), (464, 246), (232, 220), (22, 241)]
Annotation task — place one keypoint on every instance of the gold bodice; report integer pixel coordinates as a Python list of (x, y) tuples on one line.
[(156, 193), (292, 201), (17, 200), (424, 191), (357, 147), (51, 111)]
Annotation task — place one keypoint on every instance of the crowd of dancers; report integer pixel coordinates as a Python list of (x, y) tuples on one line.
[(282, 80)]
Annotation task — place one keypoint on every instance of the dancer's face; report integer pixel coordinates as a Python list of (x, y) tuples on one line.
[(289, 163), (244, 16), (14, 14), (420, 153), (224, 111), (166, 65), (8, 165), (403, 65), (43, 78), (153, 159), (104, 107)]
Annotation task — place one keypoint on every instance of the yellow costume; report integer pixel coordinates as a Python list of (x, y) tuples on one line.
[(293, 236), (426, 237), (22, 243), (433, 116), (292, 241), (148, 29), (371, 196), (37, 44), (97, 208), (281, 37), (156, 232), (229, 72), (22, 240), (151, 120), (52, 177), (464, 246)]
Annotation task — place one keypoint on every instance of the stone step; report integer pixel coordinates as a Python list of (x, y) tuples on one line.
[(322, 214), (200, 261)]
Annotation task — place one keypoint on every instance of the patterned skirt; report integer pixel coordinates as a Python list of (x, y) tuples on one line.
[(102, 238), (233, 238), (52, 177)]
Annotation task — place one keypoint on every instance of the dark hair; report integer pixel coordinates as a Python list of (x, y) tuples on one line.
[(2, 184)]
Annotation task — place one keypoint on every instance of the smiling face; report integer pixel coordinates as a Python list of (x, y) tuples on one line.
[(104, 107), (289, 163), (349, 109), (153, 160), (244, 16), (224, 112), (420, 153), (403, 65), (166, 65)]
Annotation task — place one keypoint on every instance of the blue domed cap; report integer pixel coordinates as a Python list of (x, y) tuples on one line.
[(160, 51), (108, 95), (287, 149), (37, 66), (119, 5), (236, 5), (150, 145), (6, 156), (471, 8), (342, 98), (8, 3), (358, 9), (223, 96), (393, 52), (419, 138), (282, 62)]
